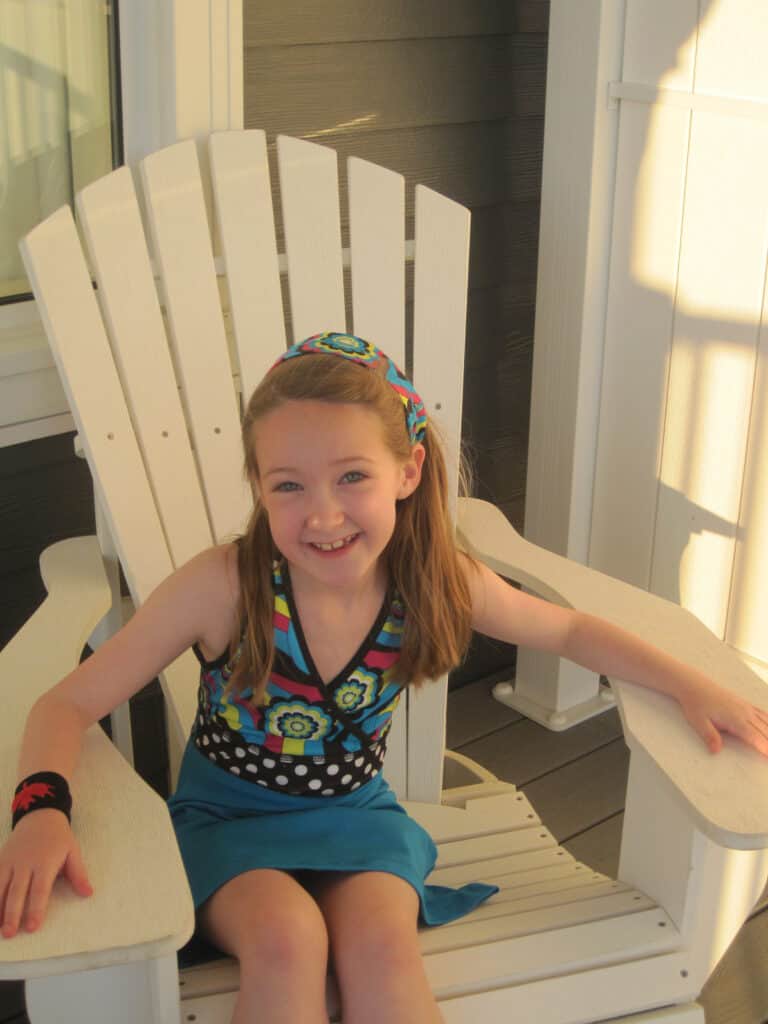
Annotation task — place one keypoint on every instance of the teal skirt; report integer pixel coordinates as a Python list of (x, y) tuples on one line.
[(226, 825)]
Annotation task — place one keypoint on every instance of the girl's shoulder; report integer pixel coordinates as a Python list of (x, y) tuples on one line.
[(211, 581)]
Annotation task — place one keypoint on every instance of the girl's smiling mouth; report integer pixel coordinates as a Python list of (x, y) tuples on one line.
[(334, 545)]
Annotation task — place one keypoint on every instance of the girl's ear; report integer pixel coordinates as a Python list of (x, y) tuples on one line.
[(411, 471)]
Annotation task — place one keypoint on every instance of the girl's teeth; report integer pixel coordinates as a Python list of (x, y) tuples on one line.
[(336, 544)]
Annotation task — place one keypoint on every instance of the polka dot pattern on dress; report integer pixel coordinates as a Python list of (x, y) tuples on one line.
[(331, 775)]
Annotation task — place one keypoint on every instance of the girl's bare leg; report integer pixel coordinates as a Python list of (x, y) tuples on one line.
[(276, 931), (372, 918)]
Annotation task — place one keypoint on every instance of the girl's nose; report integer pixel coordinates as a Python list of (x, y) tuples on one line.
[(325, 513)]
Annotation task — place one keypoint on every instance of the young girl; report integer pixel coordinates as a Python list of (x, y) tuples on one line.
[(346, 587)]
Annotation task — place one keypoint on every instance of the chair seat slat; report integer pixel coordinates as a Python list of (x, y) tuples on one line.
[(241, 185), (111, 224), (530, 922), (182, 244)]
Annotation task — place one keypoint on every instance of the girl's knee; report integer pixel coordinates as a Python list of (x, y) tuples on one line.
[(267, 921)]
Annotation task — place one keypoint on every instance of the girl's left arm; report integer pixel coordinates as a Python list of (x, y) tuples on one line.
[(505, 613)]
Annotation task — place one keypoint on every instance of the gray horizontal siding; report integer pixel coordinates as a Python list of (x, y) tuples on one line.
[(338, 21)]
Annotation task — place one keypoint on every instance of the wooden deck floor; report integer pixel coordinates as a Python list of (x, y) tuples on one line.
[(590, 760)]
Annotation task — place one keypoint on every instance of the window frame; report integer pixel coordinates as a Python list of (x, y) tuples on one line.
[(181, 75)]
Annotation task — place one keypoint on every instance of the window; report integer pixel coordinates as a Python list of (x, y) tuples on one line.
[(59, 114)]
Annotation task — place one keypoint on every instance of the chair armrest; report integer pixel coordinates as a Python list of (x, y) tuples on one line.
[(141, 905), (726, 794)]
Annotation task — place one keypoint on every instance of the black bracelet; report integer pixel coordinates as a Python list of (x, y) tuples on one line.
[(43, 789)]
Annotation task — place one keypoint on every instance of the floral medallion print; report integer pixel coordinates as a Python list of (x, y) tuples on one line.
[(357, 692), (298, 721)]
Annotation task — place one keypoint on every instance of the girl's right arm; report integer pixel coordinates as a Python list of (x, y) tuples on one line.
[(196, 604)]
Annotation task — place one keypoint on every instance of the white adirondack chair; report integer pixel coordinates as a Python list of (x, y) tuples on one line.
[(559, 943)]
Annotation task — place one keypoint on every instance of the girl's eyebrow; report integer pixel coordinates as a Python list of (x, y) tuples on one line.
[(336, 462)]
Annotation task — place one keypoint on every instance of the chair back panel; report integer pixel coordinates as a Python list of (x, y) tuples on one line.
[(111, 223), (377, 255), (192, 496), (243, 195), (309, 193), (182, 246)]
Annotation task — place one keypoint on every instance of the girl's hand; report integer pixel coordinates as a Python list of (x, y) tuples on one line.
[(40, 848), (712, 711)]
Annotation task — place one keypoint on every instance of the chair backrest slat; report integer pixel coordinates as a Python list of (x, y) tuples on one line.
[(309, 193), (69, 310), (241, 187), (377, 243), (111, 223), (439, 330), (182, 246)]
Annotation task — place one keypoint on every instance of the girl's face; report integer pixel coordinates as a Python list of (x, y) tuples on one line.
[(329, 484)]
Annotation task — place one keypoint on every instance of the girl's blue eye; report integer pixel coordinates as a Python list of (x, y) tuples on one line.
[(286, 486), (353, 476)]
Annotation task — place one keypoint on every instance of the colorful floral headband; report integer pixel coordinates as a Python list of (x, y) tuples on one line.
[(363, 352)]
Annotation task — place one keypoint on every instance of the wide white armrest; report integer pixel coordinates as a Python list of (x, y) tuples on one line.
[(141, 905), (727, 793)]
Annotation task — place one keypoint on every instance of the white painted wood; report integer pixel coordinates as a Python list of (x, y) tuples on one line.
[(79, 596), (660, 42), (439, 332), (146, 991), (731, 38), (396, 762), (71, 317), (244, 204), (636, 92), (146, 913), (120, 717), (111, 224), (748, 608), (708, 890), (309, 196), (585, 54), (182, 247), (712, 365), (377, 243), (638, 340), (727, 795)]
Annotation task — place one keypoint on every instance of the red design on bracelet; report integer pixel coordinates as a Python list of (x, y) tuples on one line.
[(31, 791)]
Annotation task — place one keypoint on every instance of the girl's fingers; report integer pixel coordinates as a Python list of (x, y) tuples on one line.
[(74, 869), (37, 900), (14, 902)]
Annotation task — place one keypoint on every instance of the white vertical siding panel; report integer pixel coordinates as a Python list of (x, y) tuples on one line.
[(748, 610), (640, 308), (377, 243), (733, 41), (182, 244), (660, 42), (244, 203), (310, 201), (719, 298)]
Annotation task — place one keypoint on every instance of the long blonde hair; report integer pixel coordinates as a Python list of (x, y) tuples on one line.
[(422, 559)]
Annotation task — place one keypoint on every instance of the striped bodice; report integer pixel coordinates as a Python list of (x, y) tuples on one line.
[(308, 737)]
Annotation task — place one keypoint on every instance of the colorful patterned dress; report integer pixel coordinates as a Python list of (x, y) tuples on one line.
[(296, 784)]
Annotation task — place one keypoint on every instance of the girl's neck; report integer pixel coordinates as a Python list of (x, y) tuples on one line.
[(309, 593)]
